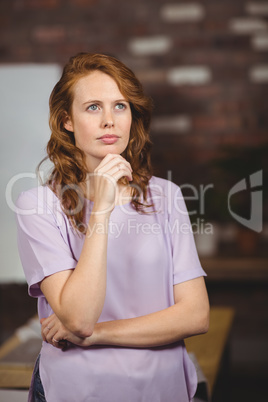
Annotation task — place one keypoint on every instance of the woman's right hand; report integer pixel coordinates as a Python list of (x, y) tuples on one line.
[(111, 169), (54, 332)]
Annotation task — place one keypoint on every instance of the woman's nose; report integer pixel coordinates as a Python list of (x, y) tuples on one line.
[(108, 124), (108, 120)]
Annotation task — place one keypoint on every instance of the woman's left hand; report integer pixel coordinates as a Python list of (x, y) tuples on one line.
[(54, 332)]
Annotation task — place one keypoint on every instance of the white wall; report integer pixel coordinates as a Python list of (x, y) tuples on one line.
[(25, 90)]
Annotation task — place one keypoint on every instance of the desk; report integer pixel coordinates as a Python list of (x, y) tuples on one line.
[(11, 375), (208, 349)]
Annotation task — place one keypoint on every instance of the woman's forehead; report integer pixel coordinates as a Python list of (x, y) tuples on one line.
[(96, 85)]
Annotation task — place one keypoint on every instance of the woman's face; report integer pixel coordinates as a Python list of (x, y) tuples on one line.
[(101, 118)]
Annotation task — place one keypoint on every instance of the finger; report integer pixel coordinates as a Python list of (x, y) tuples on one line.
[(46, 322), (56, 343), (49, 331), (58, 340), (43, 322), (108, 164), (44, 332), (49, 322), (107, 159), (112, 158), (120, 171), (49, 335)]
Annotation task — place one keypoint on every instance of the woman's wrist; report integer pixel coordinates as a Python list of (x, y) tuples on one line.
[(95, 338), (98, 223), (102, 211)]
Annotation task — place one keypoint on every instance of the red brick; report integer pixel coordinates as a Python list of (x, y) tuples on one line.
[(36, 4), (199, 92), (83, 3), (46, 34), (216, 123), (223, 106)]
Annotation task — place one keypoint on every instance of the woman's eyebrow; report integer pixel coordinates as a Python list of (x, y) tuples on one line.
[(99, 101), (121, 100), (92, 101)]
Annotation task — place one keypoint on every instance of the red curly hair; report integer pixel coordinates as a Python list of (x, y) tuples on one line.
[(69, 169)]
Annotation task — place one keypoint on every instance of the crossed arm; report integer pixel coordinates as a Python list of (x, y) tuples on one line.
[(187, 317)]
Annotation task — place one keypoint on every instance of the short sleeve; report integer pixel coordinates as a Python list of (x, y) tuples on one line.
[(186, 264), (42, 237)]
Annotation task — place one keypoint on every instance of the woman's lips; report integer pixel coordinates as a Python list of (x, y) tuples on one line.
[(108, 138)]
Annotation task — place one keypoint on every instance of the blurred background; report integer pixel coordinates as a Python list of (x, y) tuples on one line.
[(205, 64)]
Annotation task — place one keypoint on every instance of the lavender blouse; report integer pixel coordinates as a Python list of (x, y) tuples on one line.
[(147, 255)]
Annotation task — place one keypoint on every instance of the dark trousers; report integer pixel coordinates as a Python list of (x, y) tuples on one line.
[(38, 390)]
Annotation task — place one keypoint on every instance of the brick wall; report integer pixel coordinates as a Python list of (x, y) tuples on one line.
[(205, 63)]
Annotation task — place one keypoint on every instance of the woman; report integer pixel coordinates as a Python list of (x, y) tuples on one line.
[(107, 249)]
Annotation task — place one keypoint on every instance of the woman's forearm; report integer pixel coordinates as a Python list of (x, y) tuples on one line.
[(89, 277), (161, 328), (187, 317)]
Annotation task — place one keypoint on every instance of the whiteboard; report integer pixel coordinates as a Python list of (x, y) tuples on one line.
[(25, 90)]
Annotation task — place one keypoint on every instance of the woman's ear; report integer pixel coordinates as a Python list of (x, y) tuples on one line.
[(68, 125)]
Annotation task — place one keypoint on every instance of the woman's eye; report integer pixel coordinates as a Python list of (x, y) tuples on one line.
[(120, 106), (93, 107)]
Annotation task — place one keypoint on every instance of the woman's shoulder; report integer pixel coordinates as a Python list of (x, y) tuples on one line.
[(164, 186), (164, 194), (36, 197)]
